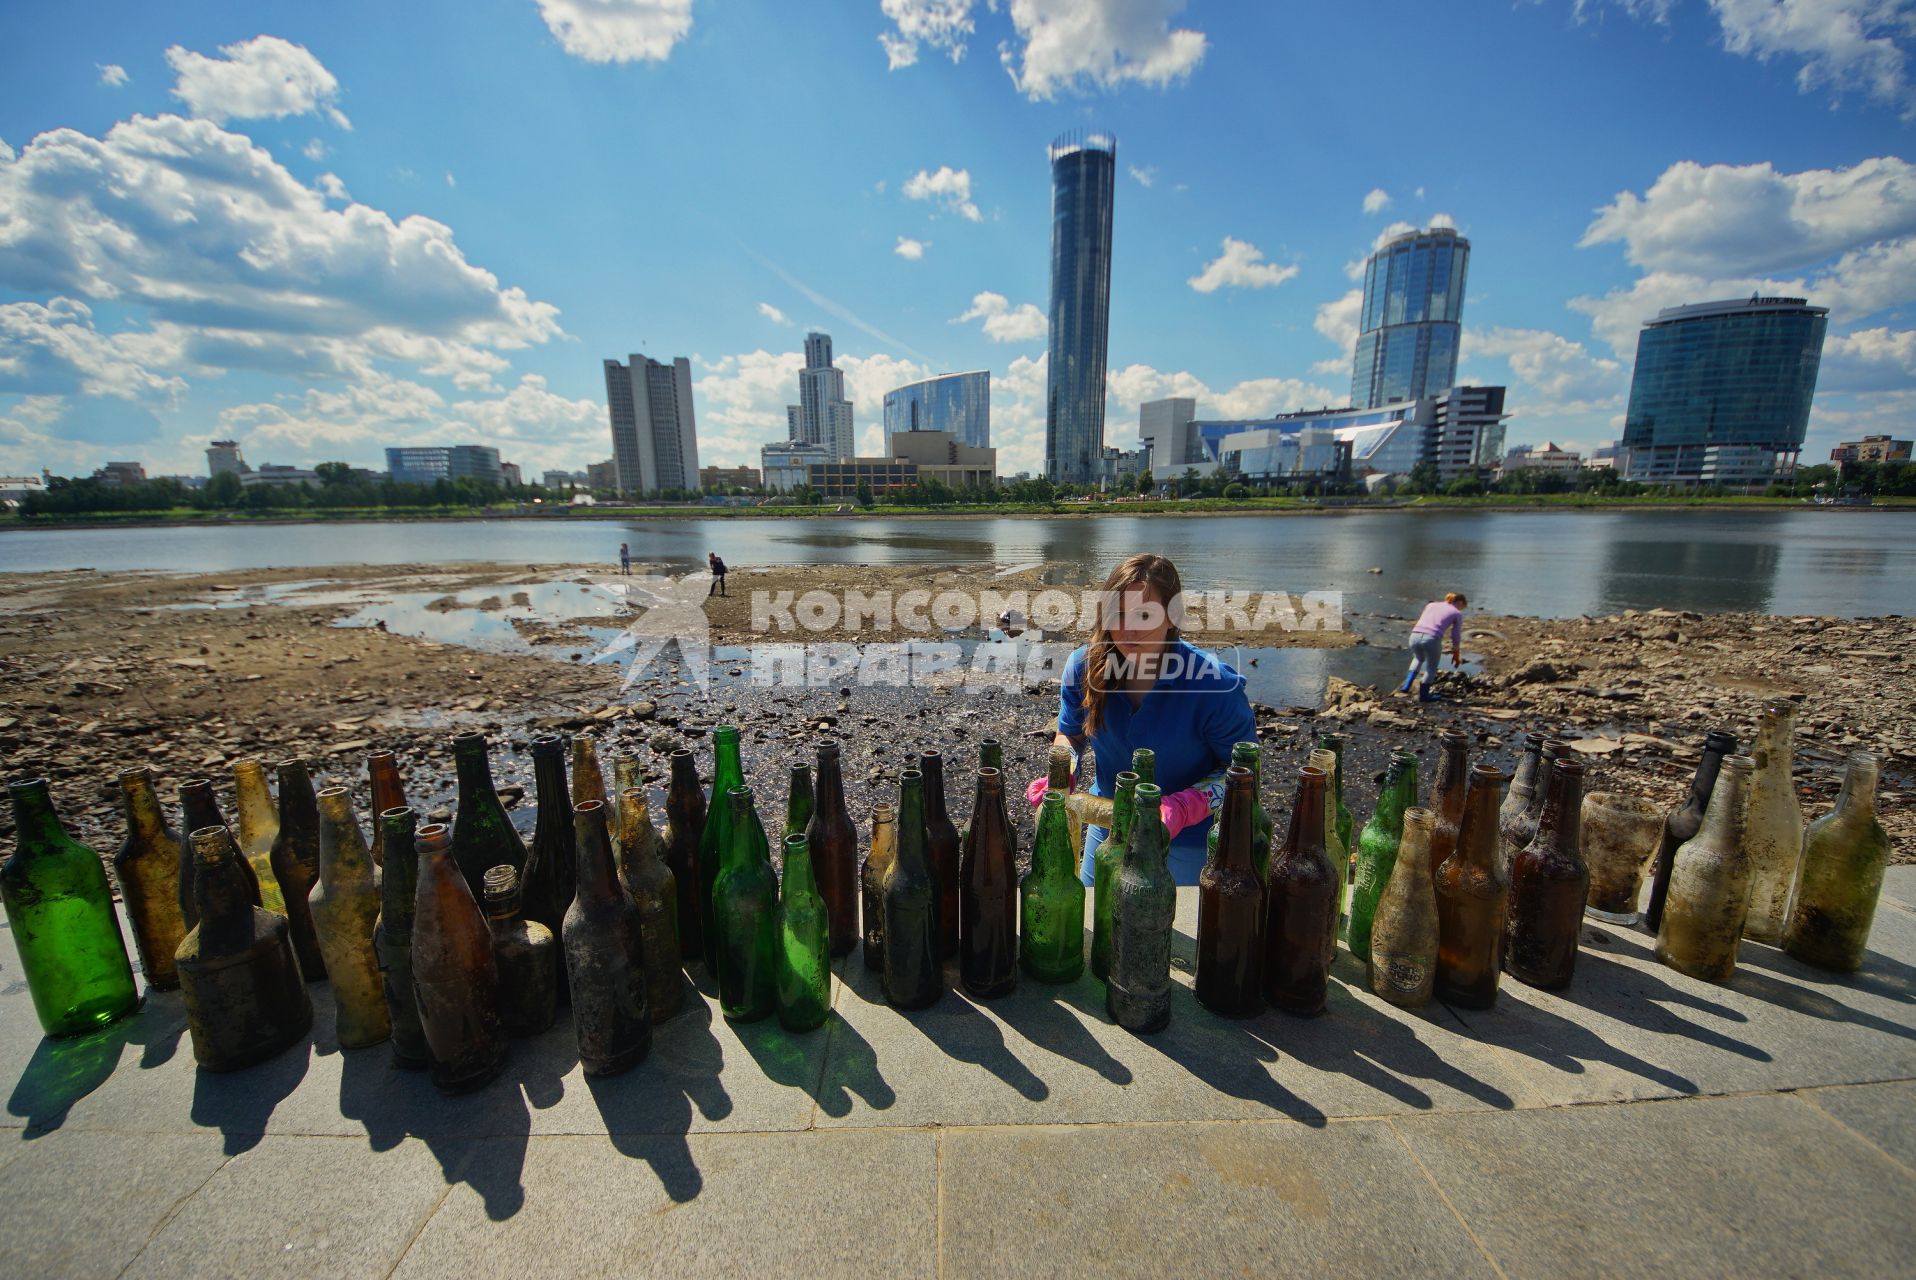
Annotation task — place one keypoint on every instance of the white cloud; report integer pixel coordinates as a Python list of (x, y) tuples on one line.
[(262, 78), (772, 313), (741, 403), (54, 350), (1145, 175), (1848, 46), (911, 249), (316, 151), (1378, 200), (1078, 44), (1390, 233), (1879, 359), (1442, 221), (451, 181), (618, 30), (1003, 322), (332, 186), (941, 24), (1551, 375), (1337, 320), (112, 74), (948, 187), (1136, 384), (1240, 265)]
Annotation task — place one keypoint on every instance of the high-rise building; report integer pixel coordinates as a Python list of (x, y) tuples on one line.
[(1084, 175), (822, 416), (1721, 392), (1164, 429), (223, 456), (654, 433), (1412, 316), (956, 402), (424, 464)]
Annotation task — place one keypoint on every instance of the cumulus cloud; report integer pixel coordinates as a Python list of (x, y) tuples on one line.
[(316, 151), (1003, 322), (262, 78), (940, 24), (1074, 45), (1145, 175), (911, 249), (1846, 46), (331, 186), (53, 349), (948, 188), (1377, 200), (1240, 265), (1390, 233), (1869, 360), (1442, 221), (618, 30), (112, 74), (772, 313), (1551, 375), (741, 403), (1137, 384), (1337, 320)]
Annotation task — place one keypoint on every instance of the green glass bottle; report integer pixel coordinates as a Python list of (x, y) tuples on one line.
[(240, 984), (392, 938), (1377, 846), (148, 869), (804, 943), (799, 801), (483, 836), (345, 905), (654, 890), (1051, 901), (1104, 871), (745, 916), (913, 975), (1841, 875), (1334, 743), (551, 879), (1248, 755), (1144, 899), (715, 840), (63, 921), (296, 862)]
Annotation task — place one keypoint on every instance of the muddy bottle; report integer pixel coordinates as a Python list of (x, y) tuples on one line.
[(871, 884), (1144, 763), (551, 877), (454, 980), (256, 830), (1447, 796), (604, 956), (1377, 846), (1844, 855), (1104, 870), (1472, 891), (525, 956), (988, 897), (832, 839), (199, 807), (684, 824), (942, 844), (1058, 782), (1549, 882), (382, 771), (61, 913), (628, 776), (913, 975), (1516, 834), (588, 780), (1230, 928), (1772, 825), (483, 836), (148, 869), (1710, 884), (1404, 929), (392, 938), (1300, 911), (652, 888), (1250, 756), (1525, 780), (800, 801), (745, 914), (804, 943), (715, 841), (1137, 994), (1684, 821), (296, 862), (239, 980), (345, 906), (1051, 900), (1334, 743), (1324, 759)]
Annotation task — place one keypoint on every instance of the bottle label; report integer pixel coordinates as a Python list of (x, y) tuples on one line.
[(1402, 970)]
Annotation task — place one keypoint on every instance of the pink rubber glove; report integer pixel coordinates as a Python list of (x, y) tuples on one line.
[(1183, 809), (1034, 793)]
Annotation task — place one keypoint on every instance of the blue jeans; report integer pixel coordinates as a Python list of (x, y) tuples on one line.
[(1186, 861), (1427, 652)]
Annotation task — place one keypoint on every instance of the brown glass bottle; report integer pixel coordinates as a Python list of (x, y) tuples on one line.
[(1549, 882), (684, 826), (345, 907), (382, 770), (1471, 894), (942, 843), (654, 891), (455, 982), (296, 862), (1685, 821), (199, 807), (832, 838), (148, 869), (240, 982), (525, 956), (1230, 928), (913, 976), (871, 883), (1403, 935), (256, 826), (1300, 914), (1447, 798), (550, 879), (588, 780), (392, 938), (605, 955), (988, 896)]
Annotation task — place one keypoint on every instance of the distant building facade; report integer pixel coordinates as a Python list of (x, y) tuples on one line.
[(785, 465), (958, 403), (1412, 315), (1547, 457), (728, 478), (223, 458), (1120, 468), (121, 474), (1084, 175), (1170, 444), (276, 475), (558, 480), (1460, 432), (603, 477), (654, 430), (822, 416), (428, 464), (509, 474), (941, 456), (1871, 449)]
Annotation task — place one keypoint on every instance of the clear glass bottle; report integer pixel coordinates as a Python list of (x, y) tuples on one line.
[(1772, 825), (1710, 884), (1844, 855)]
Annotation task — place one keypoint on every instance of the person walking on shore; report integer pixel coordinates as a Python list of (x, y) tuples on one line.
[(625, 559), (1427, 642), (718, 574)]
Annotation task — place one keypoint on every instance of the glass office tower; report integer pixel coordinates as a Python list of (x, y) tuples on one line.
[(956, 402), (1412, 316), (1084, 171)]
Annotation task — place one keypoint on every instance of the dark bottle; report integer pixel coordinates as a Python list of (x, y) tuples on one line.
[(148, 869), (1137, 994), (684, 825), (1447, 797), (1516, 832), (239, 980), (482, 834), (745, 914), (799, 801), (199, 807), (382, 770), (1250, 756), (988, 896), (1104, 870), (715, 841), (1051, 900), (1685, 821), (913, 975), (296, 862), (1144, 763), (525, 956), (588, 780), (942, 843), (61, 912), (551, 878), (804, 944), (345, 906), (454, 980), (1471, 894), (649, 883), (1334, 743), (1549, 882), (1230, 929), (1377, 846), (1300, 914), (832, 838), (605, 956), (392, 938), (871, 883), (1524, 785)]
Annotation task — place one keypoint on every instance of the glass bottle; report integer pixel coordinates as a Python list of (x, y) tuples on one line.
[(1377, 846), (1524, 781), (1685, 821), (61, 912), (1144, 763), (649, 883), (1404, 929), (1710, 884), (240, 983), (483, 836), (1549, 883), (804, 943), (148, 869), (296, 862), (684, 824), (988, 901), (1334, 743), (1058, 780), (1472, 891), (941, 843), (256, 831), (1447, 797), (745, 913), (1844, 854), (345, 907), (913, 975), (604, 955), (1620, 834), (525, 956), (1230, 928), (551, 878), (832, 839), (392, 937), (388, 792), (1321, 758), (199, 807), (454, 980), (1772, 825), (1104, 870), (1300, 913), (1250, 756), (1516, 835), (1051, 900), (715, 842), (1137, 994), (588, 779), (627, 776), (800, 803), (871, 883)]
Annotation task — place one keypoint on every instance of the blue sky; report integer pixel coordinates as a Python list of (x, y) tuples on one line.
[(323, 229)]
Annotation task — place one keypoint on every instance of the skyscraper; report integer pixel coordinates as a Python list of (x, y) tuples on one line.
[(1413, 309), (1084, 169), (956, 402), (822, 416), (654, 434)]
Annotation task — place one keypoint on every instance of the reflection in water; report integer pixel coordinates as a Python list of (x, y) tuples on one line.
[(1718, 576)]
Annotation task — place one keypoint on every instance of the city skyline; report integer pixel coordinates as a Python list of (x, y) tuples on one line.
[(365, 270)]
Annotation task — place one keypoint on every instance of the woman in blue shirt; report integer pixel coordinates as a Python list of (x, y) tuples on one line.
[(1140, 684)]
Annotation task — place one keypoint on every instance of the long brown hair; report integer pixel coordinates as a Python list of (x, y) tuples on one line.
[(1102, 660)]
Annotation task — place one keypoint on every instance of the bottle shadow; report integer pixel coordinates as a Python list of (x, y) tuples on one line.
[(1047, 1015), (1814, 1001), (1228, 1054), (62, 1072), (239, 1103), (1642, 998), (956, 1026), (158, 1028), (1880, 976), (850, 1071)]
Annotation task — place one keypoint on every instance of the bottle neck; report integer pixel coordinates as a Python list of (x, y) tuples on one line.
[(911, 822), (726, 765), (685, 773), (399, 885), (933, 767), (251, 799), (143, 814), (1307, 819), (799, 879), (747, 833), (799, 800), (987, 802), (1413, 851), (1059, 778), (474, 769), (1560, 828), (388, 791), (635, 826), (1124, 807), (991, 754), (220, 897), (502, 895), (1772, 743), (298, 807), (34, 820), (1857, 799), (342, 848), (598, 879), (199, 807), (830, 794), (1707, 770), (1483, 848), (1235, 824), (1724, 816)]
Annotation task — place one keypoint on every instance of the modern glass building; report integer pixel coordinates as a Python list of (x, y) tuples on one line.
[(1460, 431), (425, 464), (956, 402), (1084, 170), (1412, 316), (1722, 390), (655, 441)]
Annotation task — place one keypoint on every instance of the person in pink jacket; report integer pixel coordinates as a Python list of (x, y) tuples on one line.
[(1427, 642)]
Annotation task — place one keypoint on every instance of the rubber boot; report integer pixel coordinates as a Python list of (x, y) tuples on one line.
[(1424, 693), (1410, 678)]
